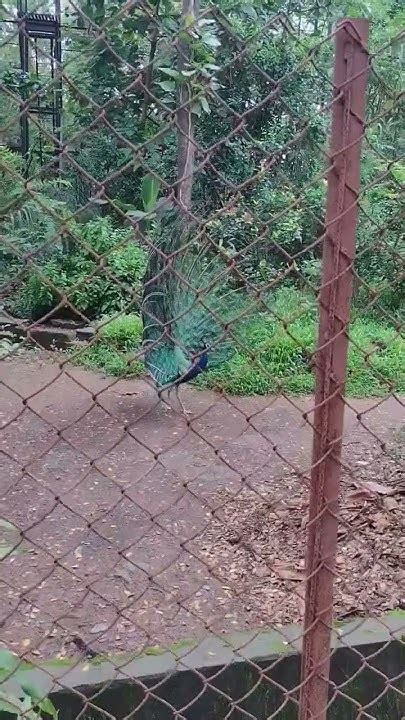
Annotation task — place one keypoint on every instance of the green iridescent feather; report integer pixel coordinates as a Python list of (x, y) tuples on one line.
[(188, 301)]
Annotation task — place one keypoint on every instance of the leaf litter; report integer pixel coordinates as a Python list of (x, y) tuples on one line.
[(258, 540)]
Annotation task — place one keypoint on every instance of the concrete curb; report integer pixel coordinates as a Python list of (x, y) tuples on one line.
[(232, 665)]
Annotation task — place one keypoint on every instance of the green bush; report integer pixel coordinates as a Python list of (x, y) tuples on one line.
[(10, 164), (113, 351), (270, 356), (27, 221), (376, 362), (83, 276), (379, 252)]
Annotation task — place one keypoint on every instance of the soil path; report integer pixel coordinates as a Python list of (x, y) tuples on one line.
[(133, 527)]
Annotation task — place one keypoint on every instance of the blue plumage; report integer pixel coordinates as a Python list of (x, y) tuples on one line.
[(189, 302), (197, 366)]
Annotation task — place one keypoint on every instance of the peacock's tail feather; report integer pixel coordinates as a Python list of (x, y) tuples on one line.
[(188, 303)]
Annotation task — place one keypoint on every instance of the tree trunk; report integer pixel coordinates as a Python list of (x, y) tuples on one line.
[(148, 76), (185, 134)]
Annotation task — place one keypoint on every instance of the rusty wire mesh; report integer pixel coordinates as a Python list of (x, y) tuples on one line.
[(163, 549)]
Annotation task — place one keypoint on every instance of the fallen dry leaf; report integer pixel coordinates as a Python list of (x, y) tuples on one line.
[(260, 571), (390, 503), (376, 487), (286, 572), (100, 627), (381, 521), (359, 495)]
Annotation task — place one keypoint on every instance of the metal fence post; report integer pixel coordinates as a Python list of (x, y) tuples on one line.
[(350, 70)]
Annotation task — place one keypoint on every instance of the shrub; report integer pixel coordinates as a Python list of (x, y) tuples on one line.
[(123, 332), (26, 222), (84, 277), (376, 362), (9, 185), (262, 252)]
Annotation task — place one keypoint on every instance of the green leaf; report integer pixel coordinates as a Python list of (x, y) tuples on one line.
[(31, 715), (210, 40), (10, 704), (205, 21), (196, 108), (149, 192), (32, 691), (185, 36), (167, 85), (169, 24), (170, 72), (6, 550), (189, 20), (125, 207), (136, 214), (7, 525), (249, 11), (26, 704), (204, 105), (8, 661), (398, 171), (46, 705)]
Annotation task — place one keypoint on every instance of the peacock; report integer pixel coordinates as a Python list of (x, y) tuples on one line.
[(188, 305)]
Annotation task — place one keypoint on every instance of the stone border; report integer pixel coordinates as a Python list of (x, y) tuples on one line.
[(55, 335), (119, 684)]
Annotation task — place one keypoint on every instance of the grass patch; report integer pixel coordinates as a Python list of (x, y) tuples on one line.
[(113, 352), (274, 352), (376, 362), (275, 355)]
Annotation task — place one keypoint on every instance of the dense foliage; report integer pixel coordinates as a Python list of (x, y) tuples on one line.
[(101, 272), (275, 155)]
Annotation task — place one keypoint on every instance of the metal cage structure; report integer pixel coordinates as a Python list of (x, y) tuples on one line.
[(33, 27)]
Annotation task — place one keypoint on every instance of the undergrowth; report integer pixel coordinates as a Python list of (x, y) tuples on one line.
[(101, 268), (283, 363), (114, 350), (272, 353)]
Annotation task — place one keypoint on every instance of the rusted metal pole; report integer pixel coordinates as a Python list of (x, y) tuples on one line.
[(350, 71)]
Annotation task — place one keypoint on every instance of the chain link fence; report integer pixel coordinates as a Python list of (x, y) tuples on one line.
[(202, 362)]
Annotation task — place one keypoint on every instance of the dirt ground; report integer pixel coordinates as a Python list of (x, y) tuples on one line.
[(131, 528)]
